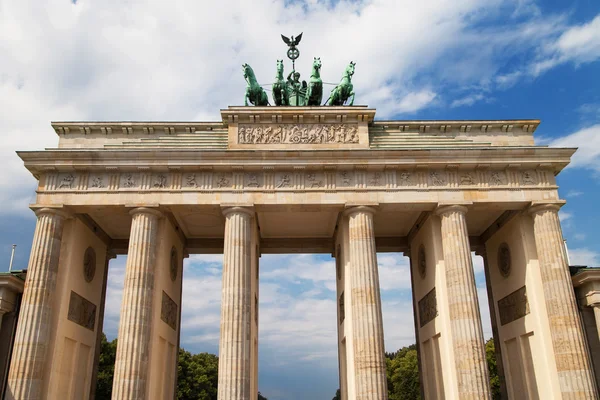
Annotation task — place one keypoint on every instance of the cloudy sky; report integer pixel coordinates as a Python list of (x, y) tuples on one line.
[(435, 59)]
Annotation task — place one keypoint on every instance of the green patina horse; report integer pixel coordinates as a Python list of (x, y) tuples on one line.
[(342, 92), (254, 93), (281, 96), (314, 93)]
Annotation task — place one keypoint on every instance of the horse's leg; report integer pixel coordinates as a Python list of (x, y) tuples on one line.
[(246, 98), (352, 101), (329, 101)]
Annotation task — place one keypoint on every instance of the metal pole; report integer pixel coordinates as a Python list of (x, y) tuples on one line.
[(12, 257), (567, 252)]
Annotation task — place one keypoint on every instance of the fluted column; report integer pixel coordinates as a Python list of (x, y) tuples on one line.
[(465, 319), (131, 365), (367, 321), (234, 346), (30, 350), (574, 368), (596, 308)]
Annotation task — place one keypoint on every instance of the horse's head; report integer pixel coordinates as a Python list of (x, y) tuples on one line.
[(317, 63), (350, 68), (279, 65), (247, 71)]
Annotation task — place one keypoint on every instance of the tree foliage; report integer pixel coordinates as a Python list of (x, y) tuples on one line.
[(338, 395), (490, 356), (403, 374), (197, 374), (106, 368)]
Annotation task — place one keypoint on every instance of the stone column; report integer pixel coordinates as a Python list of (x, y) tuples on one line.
[(131, 365), (596, 308), (572, 362), (30, 351), (465, 319), (234, 347), (367, 321)]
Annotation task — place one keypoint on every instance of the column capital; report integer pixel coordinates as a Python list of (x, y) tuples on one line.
[(58, 211), (356, 208), (538, 207), (243, 209), (146, 210), (443, 209)]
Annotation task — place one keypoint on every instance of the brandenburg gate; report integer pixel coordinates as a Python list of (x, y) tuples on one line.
[(300, 180)]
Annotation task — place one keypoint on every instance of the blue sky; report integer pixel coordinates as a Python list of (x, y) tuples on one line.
[(460, 59)]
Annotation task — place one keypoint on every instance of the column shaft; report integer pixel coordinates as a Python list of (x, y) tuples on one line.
[(131, 365), (572, 362), (596, 308), (30, 351), (234, 347), (367, 321), (465, 319)]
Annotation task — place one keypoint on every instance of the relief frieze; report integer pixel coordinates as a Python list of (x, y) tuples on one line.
[(297, 179), (428, 308), (513, 306), (82, 311), (497, 178), (298, 134), (168, 311)]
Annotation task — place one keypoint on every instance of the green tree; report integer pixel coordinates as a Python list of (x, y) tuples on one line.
[(261, 397), (106, 368), (490, 355), (338, 395), (403, 374), (197, 376)]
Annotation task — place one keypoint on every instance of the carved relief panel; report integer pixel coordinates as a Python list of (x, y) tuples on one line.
[(297, 134), (168, 311), (296, 178), (514, 306), (428, 308), (82, 311)]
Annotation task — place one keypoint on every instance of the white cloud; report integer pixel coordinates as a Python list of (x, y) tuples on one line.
[(584, 256), (574, 193), (415, 101), (468, 100), (578, 44), (564, 216), (588, 142)]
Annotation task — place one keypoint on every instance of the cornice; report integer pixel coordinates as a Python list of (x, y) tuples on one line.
[(525, 126), (117, 128), (554, 159), (292, 115), (586, 276)]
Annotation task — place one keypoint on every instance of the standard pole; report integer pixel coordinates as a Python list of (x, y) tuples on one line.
[(12, 257)]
